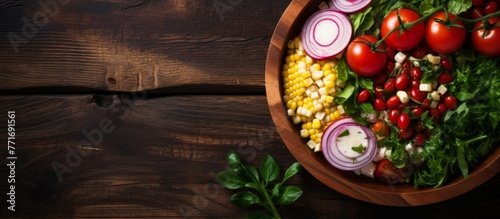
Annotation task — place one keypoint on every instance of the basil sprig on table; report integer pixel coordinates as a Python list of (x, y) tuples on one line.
[(264, 180)]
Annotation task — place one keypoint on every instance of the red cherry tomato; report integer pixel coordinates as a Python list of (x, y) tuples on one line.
[(477, 12), (402, 81), (362, 60), (390, 85), (420, 139), (435, 114), (379, 104), (404, 121), (415, 84), (388, 173), (393, 102), (478, 3), (446, 64), (406, 134), (363, 96), (445, 78), (451, 102), (380, 78), (416, 95), (426, 103), (416, 73), (381, 129), (490, 7), (442, 109), (394, 115), (408, 38), (379, 91), (487, 45), (442, 38), (417, 111), (420, 51)]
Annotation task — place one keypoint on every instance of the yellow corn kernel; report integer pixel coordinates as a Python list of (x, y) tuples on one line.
[(313, 137), (309, 125), (327, 67), (291, 44), (316, 124), (336, 115), (329, 99), (293, 106), (312, 132), (316, 67)]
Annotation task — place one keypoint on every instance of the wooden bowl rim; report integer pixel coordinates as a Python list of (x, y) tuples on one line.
[(395, 195)]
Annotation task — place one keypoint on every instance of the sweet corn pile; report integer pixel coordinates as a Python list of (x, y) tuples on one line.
[(310, 87)]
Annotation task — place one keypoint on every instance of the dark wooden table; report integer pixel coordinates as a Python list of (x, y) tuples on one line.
[(127, 109)]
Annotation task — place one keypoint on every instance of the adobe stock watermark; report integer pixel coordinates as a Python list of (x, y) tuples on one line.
[(92, 139), (224, 6), (248, 150), (48, 8)]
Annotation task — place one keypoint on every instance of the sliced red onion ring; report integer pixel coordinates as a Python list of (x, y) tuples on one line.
[(336, 157), (326, 34), (348, 6)]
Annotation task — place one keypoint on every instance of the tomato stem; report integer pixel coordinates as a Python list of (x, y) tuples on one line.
[(403, 26)]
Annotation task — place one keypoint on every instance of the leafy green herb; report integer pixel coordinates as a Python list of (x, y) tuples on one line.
[(360, 148), (252, 179), (344, 133)]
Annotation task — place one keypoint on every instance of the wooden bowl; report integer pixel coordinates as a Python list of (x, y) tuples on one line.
[(346, 182)]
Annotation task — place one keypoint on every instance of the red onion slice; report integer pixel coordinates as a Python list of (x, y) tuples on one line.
[(326, 34), (348, 6), (338, 159)]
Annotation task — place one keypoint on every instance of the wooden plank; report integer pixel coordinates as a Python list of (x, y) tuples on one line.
[(136, 45), (156, 157)]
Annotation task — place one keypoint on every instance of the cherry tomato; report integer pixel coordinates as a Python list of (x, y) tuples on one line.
[(406, 134), (390, 53), (402, 81), (380, 78), (379, 91), (490, 7), (446, 64), (408, 38), (487, 45), (415, 84), (477, 12), (404, 121), (394, 115), (406, 67), (417, 111), (416, 95), (478, 3), (451, 102), (389, 68), (426, 103), (390, 85), (363, 96), (379, 104), (392, 102), (445, 78), (416, 73), (388, 173), (420, 51), (442, 109), (442, 38), (420, 139), (435, 114), (381, 129), (362, 60)]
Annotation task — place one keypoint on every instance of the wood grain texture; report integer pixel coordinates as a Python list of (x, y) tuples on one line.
[(359, 188), (190, 46), (161, 158)]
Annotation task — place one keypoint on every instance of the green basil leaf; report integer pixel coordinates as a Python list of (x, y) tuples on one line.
[(342, 70), (231, 179), (291, 171), (252, 173), (253, 185), (244, 199), (258, 215), (269, 169), (233, 160), (276, 189), (288, 195)]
